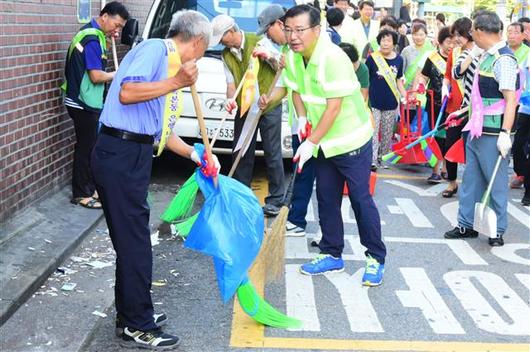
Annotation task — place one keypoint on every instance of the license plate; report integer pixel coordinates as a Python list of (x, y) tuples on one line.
[(226, 133)]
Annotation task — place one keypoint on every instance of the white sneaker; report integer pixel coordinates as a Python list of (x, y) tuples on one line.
[(291, 230)]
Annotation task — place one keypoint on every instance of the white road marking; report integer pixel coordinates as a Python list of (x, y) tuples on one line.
[(300, 298), (413, 213), (461, 249), (525, 279), (429, 192), (481, 311), (423, 295), (310, 216), (358, 249), (395, 209), (297, 248), (508, 252), (450, 212), (519, 215), (359, 310)]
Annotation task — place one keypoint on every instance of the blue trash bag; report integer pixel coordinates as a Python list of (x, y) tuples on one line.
[(425, 124), (229, 227)]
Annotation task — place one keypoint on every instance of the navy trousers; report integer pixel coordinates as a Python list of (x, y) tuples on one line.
[(302, 189), (331, 173), (122, 170)]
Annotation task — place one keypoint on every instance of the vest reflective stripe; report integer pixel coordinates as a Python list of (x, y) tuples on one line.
[(321, 79), (365, 129), (312, 99), (340, 85)]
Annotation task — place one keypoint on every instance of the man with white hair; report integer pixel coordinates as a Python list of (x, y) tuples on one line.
[(142, 106)]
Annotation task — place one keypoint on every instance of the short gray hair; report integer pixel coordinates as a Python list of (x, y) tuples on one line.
[(189, 24), (487, 21)]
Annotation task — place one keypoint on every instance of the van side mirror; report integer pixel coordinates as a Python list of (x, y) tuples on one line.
[(129, 32)]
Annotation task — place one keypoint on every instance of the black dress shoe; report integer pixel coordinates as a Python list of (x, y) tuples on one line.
[(461, 232), (496, 242)]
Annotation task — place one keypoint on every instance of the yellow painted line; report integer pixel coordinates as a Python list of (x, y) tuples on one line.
[(246, 333)]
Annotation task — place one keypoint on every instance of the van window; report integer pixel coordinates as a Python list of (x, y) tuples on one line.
[(245, 12)]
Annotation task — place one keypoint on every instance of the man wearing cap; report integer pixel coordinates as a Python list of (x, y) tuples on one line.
[(326, 90), (236, 57)]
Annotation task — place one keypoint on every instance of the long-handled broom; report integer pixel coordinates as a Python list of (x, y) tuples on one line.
[(271, 258)]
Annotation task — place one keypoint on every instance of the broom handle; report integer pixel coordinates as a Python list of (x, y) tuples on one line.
[(114, 54), (289, 191), (492, 180), (253, 126), (214, 139), (202, 127)]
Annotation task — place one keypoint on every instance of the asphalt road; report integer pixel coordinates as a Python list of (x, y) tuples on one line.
[(437, 295)]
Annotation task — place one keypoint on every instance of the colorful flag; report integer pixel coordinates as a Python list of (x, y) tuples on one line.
[(250, 88), (430, 155), (456, 153)]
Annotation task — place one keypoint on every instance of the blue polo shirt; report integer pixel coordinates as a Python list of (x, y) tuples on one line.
[(147, 62), (92, 52)]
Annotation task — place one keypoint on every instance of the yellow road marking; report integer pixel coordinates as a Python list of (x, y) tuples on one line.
[(246, 333)]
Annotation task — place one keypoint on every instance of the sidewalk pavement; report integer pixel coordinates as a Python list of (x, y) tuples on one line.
[(35, 242)]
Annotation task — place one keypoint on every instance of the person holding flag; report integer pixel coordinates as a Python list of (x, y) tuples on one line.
[(238, 60), (326, 90), (432, 74)]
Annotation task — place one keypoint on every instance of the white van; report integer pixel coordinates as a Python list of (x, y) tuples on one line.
[(211, 84)]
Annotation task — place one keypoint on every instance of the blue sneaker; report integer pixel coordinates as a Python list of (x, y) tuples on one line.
[(373, 272), (323, 263)]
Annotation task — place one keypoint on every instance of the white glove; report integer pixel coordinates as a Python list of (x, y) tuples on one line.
[(194, 156), (301, 129), (304, 153), (445, 92), (504, 143), (476, 51)]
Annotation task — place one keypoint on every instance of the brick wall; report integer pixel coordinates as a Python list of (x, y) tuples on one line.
[(36, 134)]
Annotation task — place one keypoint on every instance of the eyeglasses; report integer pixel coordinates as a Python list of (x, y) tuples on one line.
[(299, 31)]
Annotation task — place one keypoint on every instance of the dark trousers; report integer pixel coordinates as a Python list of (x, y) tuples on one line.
[(302, 189), (122, 170), (86, 125), (270, 129), (354, 168), (452, 136), (521, 162)]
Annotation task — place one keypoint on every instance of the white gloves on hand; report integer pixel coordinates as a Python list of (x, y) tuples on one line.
[(301, 129), (445, 92), (195, 157), (504, 143), (476, 51), (304, 153)]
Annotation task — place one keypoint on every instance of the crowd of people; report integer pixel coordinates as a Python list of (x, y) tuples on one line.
[(344, 80)]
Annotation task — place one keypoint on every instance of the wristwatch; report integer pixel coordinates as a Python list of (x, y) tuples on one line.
[(505, 130)]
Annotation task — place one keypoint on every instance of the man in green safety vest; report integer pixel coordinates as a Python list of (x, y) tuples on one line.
[(84, 86), (327, 92), (515, 36)]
